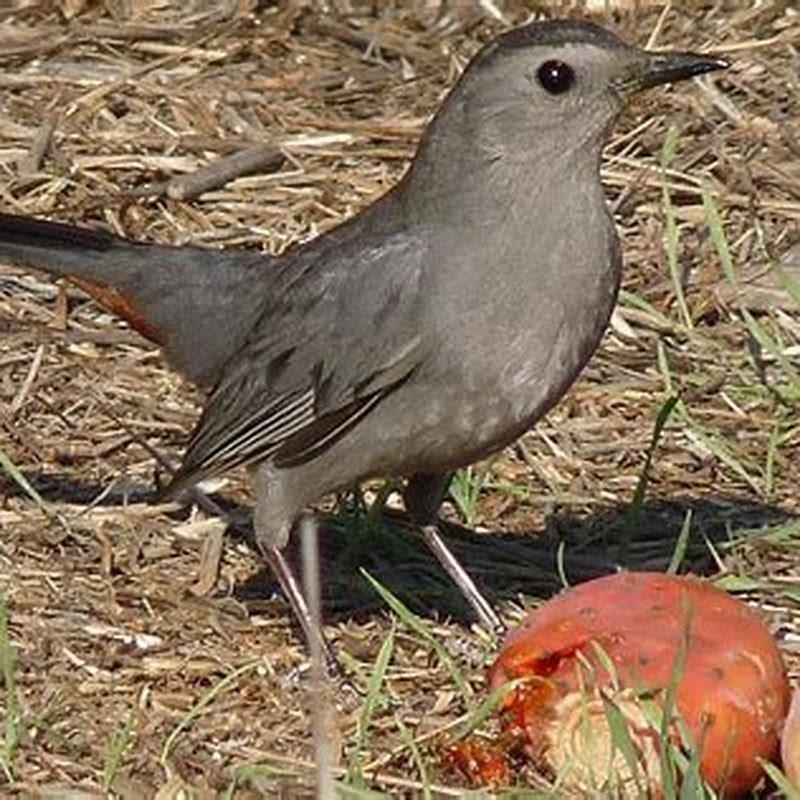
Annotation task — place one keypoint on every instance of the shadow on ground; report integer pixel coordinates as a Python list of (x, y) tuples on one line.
[(508, 567), (504, 566)]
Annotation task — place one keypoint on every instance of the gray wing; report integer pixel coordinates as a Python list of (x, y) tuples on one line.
[(341, 334)]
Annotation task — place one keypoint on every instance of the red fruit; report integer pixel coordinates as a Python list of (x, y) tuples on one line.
[(732, 694)]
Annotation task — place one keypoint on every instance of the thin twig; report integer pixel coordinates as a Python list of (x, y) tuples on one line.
[(31, 162), (259, 158)]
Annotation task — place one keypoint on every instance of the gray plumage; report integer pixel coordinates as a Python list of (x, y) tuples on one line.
[(198, 304), (430, 330)]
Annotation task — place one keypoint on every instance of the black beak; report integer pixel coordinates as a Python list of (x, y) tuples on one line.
[(670, 67)]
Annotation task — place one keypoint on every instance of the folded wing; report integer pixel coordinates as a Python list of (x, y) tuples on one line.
[(340, 336)]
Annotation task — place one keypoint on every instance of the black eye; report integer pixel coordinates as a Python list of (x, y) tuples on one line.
[(556, 77)]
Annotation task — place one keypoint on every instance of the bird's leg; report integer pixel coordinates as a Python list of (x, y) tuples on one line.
[(486, 614), (423, 496), (272, 524), (291, 589)]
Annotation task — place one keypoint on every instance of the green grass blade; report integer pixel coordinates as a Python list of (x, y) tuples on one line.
[(671, 225), (759, 333), (658, 428), (666, 372), (773, 445), (622, 741), (679, 553), (605, 661), (412, 621), (202, 704), (487, 707), (116, 751), (692, 784), (788, 790), (371, 702), (634, 513), (465, 491), (723, 453), (13, 472), (731, 582), (788, 282), (716, 229), (719, 449), (637, 302), (669, 767), (416, 756), (12, 727)]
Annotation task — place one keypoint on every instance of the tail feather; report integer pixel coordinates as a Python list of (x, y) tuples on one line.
[(195, 302), (31, 232)]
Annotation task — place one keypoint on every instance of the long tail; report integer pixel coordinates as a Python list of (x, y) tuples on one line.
[(195, 302)]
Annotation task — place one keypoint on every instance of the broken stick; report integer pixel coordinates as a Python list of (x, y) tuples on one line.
[(259, 158)]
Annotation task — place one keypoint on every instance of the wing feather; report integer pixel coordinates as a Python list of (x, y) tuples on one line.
[(274, 423), (316, 366)]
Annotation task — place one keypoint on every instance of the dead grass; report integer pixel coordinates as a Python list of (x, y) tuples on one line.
[(136, 670)]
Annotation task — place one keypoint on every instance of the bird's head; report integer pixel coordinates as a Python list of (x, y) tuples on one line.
[(554, 88)]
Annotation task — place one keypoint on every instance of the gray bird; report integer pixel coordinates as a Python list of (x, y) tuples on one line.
[(427, 332)]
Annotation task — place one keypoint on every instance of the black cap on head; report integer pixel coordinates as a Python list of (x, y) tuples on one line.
[(558, 32)]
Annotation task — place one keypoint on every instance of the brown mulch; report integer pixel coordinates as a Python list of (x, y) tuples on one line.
[(115, 614)]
